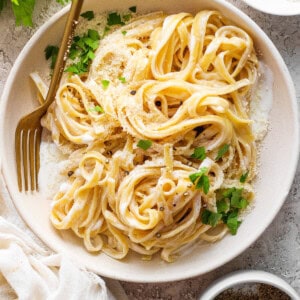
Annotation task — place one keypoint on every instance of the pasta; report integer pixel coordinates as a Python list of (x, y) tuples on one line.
[(156, 130)]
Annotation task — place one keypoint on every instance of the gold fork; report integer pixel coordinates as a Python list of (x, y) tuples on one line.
[(29, 130)]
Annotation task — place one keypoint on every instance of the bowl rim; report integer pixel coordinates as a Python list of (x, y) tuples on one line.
[(247, 276), (173, 276), (266, 8)]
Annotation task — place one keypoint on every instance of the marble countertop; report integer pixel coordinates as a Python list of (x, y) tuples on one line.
[(278, 249)]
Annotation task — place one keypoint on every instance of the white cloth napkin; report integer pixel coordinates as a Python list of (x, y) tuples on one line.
[(28, 270)]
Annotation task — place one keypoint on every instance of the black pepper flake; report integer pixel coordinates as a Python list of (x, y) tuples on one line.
[(174, 204), (126, 172), (161, 208), (157, 103), (109, 152), (70, 173), (158, 235), (133, 92)]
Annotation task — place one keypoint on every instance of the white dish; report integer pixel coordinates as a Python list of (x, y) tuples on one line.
[(280, 146), (244, 277), (276, 7)]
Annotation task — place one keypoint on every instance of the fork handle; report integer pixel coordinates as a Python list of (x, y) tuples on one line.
[(70, 26)]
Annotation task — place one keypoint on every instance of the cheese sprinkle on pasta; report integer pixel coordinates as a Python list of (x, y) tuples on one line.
[(159, 88)]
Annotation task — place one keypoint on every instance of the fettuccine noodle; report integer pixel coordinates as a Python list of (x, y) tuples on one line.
[(186, 86)]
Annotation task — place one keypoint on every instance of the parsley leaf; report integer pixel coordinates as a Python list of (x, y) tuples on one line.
[(23, 11), (91, 43), (222, 151), (133, 9), (201, 180), (77, 68), (233, 223), (222, 206), (210, 218), (233, 196), (51, 52), (199, 153), (243, 177), (236, 197), (122, 79), (82, 50), (89, 15), (124, 32), (203, 183), (144, 144), (114, 19), (97, 108), (228, 192), (243, 203), (105, 83), (93, 34), (193, 177)]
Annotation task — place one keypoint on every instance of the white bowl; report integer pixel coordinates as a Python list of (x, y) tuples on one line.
[(279, 153), (276, 7), (244, 277)]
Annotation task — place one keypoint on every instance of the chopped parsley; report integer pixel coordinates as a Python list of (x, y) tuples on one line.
[(51, 52), (210, 218), (235, 197), (232, 222), (82, 51), (244, 177), (144, 144), (122, 79), (222, 206), (105, 83), (133, 9), (222, 151), (89, 15), (97, 108), (124, 32), (201, 180), (114, 19), (199, 153), (228, 208), (77, 68), (94, 35), (23, 10)]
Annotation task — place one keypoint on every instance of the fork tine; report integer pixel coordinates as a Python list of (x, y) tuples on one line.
[(25, 157), (25, 151), (32, 155), (38, 137), (18, 143)]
